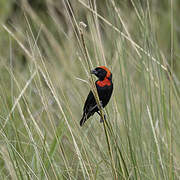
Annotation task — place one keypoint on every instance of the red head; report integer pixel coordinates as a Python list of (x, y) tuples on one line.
[(102, 73)]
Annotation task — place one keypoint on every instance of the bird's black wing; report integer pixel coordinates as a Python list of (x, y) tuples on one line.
[(90, 107), (90, 102)]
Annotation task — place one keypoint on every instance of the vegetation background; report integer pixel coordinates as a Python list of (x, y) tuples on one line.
[(47, 49)]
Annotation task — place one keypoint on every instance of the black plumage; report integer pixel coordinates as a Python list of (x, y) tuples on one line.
[(104, 87)]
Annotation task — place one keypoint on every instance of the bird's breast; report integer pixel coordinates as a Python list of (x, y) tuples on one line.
[(105, 82)]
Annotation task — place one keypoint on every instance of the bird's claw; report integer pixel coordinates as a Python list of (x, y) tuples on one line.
[(102, 120)]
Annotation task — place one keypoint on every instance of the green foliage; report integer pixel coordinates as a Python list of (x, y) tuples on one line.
[(46, 54)]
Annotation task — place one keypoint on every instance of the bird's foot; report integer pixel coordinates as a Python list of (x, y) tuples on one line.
[(102, 120)]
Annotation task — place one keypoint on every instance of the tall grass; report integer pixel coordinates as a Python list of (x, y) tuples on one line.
[(45, 79)]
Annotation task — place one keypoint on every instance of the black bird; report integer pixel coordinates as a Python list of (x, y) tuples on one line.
[(104, 87)]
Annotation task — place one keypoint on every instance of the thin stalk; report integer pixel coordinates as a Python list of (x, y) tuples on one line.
[(170, 99), (94, 90)]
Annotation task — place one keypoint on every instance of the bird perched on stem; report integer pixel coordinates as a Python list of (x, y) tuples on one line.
[(104, 87)]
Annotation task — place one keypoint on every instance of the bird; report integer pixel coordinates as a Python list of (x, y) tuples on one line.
[(104, 86)]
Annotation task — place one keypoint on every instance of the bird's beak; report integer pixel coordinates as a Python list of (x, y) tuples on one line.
[(94, 72)]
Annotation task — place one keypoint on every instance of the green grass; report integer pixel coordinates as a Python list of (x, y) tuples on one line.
[(44, 65)]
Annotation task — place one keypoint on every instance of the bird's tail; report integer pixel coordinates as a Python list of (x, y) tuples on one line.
[(84, 118)]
